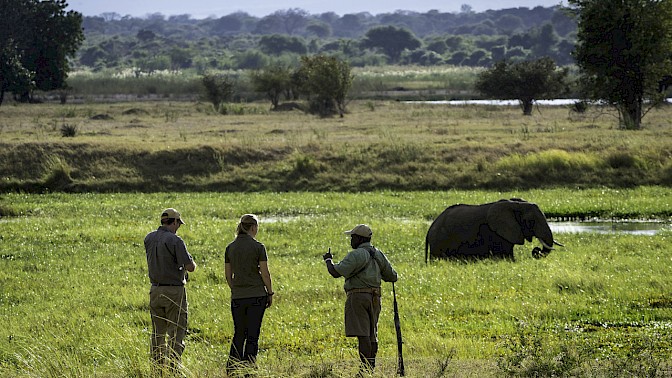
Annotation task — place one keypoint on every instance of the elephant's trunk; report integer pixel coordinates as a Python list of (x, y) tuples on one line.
[(539, 253)]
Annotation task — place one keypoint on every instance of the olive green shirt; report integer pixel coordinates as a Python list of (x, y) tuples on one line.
[(244, 255), (166, 257), (373, 273)]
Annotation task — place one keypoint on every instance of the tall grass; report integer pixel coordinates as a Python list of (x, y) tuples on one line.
[(449, 81), (74, 287), (435, 82)]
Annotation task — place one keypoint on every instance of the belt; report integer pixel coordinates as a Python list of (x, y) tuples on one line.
[(370, 290), (160, 284)]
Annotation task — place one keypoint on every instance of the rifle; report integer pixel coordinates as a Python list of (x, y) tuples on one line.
[(397, 325)]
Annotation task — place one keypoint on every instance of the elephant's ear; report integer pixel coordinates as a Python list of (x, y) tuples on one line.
[(502, 220)]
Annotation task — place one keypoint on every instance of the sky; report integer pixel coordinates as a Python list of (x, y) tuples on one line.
[(199, 9)]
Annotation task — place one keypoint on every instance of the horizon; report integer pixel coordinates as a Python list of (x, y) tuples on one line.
[(201, 9)]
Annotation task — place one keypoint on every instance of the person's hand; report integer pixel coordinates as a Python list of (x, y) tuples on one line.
[(327, 256), (269, 300)]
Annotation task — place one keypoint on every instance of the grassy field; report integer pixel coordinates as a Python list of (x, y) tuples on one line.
[(74, 211), (379, 145), (74, 303)]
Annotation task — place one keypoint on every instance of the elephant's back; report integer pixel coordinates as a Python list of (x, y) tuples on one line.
[(456, 215)]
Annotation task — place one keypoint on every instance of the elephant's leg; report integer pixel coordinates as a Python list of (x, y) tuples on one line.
[(440, 249), (501, 248)]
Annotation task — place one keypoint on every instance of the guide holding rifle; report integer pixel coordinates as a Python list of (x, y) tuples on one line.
[(363, 268)]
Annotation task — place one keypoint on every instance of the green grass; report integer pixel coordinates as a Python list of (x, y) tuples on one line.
[(73, 287)]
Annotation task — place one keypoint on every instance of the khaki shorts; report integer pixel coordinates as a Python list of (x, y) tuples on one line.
[(361, 315)]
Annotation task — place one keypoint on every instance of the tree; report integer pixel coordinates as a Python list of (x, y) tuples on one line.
[(525, 81), (218, 89), (319, 29), (293, 19), (270, 24), (44, 37), (391, 40), (228, 24), (509, 23), (624, 48), (13, 76), (273, 81), (327, 80), (276, 44), (145, 35), (546, 42), (179, 58)]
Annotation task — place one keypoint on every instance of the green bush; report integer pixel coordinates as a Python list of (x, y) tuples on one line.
[(69, 131), (58, 174), (218, 89), (528, 353), (622, 159)]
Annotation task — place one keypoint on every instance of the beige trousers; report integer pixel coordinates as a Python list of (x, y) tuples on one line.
[(168, 307)]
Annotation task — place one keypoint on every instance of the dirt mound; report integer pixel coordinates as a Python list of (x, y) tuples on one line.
[(134, 111)]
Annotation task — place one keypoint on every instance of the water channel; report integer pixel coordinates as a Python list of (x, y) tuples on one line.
[(606, 227), (597, 226), (556, 102)]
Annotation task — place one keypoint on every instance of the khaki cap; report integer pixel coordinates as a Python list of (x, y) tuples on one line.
[(171, 213), (361, 230)]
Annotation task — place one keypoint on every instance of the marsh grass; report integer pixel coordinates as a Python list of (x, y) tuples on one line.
[(73, 290)]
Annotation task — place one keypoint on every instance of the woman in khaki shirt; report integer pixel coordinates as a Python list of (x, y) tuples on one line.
[(248, 277)]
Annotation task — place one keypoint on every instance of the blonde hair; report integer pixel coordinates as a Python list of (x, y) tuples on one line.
[(246, 222)]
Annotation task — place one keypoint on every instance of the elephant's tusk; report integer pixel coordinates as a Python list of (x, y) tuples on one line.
[(556, 243), (546, 246)]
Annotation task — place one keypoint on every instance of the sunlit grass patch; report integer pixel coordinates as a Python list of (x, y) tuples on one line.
[(549, 162)]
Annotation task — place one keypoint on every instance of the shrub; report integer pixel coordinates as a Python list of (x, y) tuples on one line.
[(57, 177), (622, 159), (218, 89), (579, 107), (528, 354), (327, 80), (69, 131)]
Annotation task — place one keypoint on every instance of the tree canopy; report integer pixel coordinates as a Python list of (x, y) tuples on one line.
[(274, 81), (37, 37), (242, 41), (525, 81), (624, 49), (327, 80), (391, 40)]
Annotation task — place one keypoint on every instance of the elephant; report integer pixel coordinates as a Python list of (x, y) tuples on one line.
[(488, 230)]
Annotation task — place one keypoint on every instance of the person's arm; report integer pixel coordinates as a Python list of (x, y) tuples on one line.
[(387, 271), (229, 274), (184, 256), (332, 269), (190, 267), (330, 265), (266, 277)]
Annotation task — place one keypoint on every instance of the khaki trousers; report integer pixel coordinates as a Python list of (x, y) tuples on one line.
[(168, 307)]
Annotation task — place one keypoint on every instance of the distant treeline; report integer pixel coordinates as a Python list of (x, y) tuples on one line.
[(242, 41)]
